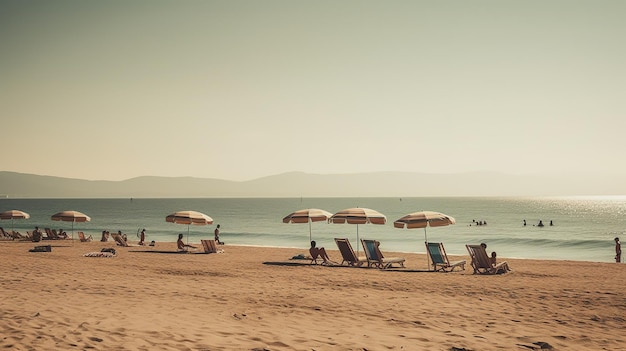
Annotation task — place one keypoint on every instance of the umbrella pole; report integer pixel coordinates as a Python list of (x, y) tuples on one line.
[(357, 241), (310, 237), (426, 242)]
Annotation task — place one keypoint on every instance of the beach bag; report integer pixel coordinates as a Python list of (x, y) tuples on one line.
[(108, 249)]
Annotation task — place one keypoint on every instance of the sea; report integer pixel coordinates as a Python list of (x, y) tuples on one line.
[(583, 228)]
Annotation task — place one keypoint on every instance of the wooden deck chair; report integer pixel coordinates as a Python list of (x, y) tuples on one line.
[(49, 234), (52, 234), (5, 234), (19, 236), (481, 262), (119, 240), (375, 257), (59, 236), (347, 253), (83, 238), (209, 246), (439, 258)]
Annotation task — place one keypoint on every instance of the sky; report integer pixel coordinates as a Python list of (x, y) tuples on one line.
[(111, 90)]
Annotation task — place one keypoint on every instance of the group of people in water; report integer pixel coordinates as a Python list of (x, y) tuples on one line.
[(475, 222), (540, 224)]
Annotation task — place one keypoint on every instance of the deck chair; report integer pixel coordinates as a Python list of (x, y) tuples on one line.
[(5, 234), (347, 253), (375, 257), (58, 236), (52, 234), (83, 238), (481, 262), (119, 240), (209, 246), (18, 236), (439, 259)]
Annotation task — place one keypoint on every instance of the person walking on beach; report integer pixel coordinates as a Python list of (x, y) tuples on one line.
[(142, 237), (618, 251), (217, 235)]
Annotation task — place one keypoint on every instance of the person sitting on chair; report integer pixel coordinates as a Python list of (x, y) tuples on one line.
[(62, 234), (494, 262), (181, 245), (319, 252)]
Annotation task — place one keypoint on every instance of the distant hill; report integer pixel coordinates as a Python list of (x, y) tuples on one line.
[(297, 184)]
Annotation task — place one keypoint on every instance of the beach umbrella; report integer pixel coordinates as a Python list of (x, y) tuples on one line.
[(358, 216), (14, 214), (424, 219), (189, 218), (71, 216), (307, 216)]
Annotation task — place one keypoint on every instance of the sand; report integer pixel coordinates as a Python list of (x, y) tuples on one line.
[(251, 298)]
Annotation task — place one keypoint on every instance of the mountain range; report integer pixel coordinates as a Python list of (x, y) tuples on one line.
[(298, 184)]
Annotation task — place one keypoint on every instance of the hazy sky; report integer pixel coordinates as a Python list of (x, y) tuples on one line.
[(243, 89)]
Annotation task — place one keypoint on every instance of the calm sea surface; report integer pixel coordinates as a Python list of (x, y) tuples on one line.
[(584, 227)]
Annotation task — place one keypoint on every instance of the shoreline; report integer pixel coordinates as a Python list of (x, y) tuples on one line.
[(256, 298)]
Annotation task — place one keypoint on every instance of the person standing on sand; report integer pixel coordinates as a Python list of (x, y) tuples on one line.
[(142, 237), (217, 235), (618, 251)]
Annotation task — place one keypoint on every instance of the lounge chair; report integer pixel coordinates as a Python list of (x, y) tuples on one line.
[(18, 236), (119, 240), (83, 238), (209, 246), (5, 234), (52, 235), (439, 259), (60, 236), (375, 257), (481, 262), (347, 253)]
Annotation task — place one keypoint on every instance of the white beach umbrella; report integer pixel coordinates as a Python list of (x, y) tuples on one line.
[(14, 214), (188, 218), (358, 215), (307, 216), (71, 216), (424, 219)]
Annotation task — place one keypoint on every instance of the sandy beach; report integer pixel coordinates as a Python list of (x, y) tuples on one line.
[(251, 298)]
